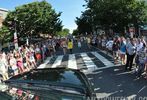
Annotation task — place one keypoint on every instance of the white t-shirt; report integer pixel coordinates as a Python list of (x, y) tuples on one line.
[(139, 46), (79, 44), (3, 68), (13, 63), (37, 50)]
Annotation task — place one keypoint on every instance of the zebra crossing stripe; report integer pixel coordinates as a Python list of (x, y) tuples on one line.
[(106, 62), (57, 61), (72, 62), (45, 63), (88, 62)]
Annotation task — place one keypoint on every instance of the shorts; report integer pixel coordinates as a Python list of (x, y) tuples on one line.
[(38, 56), (19, 64), (121, 52), (115, 54), (25, 64), (14, 68)]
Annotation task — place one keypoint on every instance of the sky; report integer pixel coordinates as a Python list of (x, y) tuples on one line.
[(70, 9)]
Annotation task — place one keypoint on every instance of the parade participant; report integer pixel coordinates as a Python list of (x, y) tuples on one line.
[(70, 46)]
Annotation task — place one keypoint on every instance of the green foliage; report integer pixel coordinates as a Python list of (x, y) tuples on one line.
[(64, 32), (75, 32), (113, 14), (84, 23), (33, 19), (5, 35)]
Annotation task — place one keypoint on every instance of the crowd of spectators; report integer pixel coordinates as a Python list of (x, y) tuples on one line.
[(25, 58), (130, 52)]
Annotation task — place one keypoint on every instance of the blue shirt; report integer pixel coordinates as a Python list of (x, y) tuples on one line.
[(123, 47)]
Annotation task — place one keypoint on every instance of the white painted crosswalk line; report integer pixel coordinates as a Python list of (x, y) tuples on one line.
[(45, 63), (106, 62), (57, 61), (72, 62), (88, 62)]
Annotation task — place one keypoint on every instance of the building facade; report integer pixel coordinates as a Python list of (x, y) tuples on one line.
[(3, 14)]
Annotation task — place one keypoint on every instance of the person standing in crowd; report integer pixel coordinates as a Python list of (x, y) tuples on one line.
[(70, 46), (51, 48), (103, 42), (38, 54), (19, 60), (43, 48), (3, 68), (115, 49), (64, 46), (139, 45), (142, 54), (123, 50), (88, 42), (93, 41), (131, 51), (79, 43), (145, 65), (100, 42), (25, 57), (32, 57), (13, 64)]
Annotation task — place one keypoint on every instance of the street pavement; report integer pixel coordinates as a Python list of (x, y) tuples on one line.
[(110, 81)]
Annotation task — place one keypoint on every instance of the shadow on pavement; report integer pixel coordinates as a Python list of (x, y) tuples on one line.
[(115, 82)]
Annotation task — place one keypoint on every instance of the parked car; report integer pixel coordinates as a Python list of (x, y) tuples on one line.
[(53, 84)]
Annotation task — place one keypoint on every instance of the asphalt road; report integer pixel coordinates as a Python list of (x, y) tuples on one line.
[(110, 81)]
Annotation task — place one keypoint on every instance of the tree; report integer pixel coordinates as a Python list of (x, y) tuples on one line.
[(33, 19), (114, 14), (64, 32), (4, 33), (75, 32), (84, 23)]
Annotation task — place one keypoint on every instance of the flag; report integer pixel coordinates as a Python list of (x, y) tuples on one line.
[(15, 41)]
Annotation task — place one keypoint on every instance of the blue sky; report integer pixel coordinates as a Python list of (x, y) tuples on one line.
[(69, 8)]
